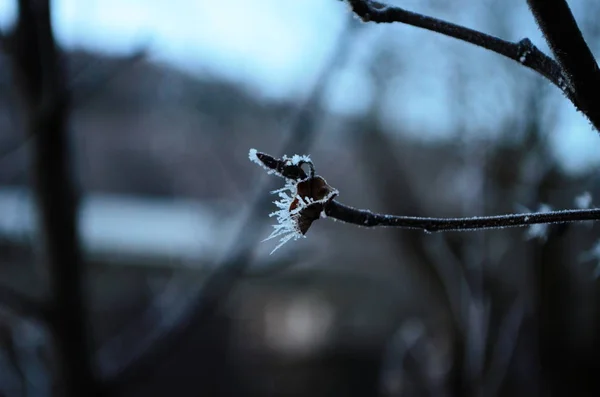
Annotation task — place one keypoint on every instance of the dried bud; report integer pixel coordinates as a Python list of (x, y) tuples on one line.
[(303, 198), (317, 193)]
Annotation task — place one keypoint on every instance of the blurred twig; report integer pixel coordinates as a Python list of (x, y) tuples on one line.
[(560, 29), (504, 348), (79, 92), (39, 77), (83, 87)]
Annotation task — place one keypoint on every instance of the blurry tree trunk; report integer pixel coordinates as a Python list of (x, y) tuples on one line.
[(39, 78)]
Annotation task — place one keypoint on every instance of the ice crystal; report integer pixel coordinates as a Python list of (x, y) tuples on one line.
[(297, 159), (253, 156), (300, 202), (287, 221)]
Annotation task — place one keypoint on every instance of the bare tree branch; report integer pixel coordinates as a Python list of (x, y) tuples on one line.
[(369, 219), (556, 21), (309, 206), (524, 51), (504, 348), (40, 79)]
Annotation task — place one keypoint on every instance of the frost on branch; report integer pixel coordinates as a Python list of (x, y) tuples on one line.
[(287, 167), (307, 197), (301, 201)]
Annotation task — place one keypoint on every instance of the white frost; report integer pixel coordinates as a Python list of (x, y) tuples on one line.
[(287, 225), (252, 155), (297, 159), (524, 55), (294, 160), (254, 158)]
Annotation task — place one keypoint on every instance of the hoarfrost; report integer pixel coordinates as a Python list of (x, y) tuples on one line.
[(288, 219), (297, 159), (287, 225), (253, 156)]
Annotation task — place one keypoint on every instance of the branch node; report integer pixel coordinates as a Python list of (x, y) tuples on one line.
[(525, 47)]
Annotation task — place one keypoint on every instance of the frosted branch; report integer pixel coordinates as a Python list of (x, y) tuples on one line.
[(312, 199), (523, 52), (556, 21), (367, 218)]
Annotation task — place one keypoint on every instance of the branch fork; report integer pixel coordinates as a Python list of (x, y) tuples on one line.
[(575, 71)]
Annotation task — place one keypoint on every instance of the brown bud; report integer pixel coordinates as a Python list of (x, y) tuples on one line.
[(319, 193)]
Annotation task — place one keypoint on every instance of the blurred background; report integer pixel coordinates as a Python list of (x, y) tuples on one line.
[(169, 96)]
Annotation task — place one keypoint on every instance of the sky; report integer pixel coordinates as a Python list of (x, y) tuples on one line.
[(277, 47)]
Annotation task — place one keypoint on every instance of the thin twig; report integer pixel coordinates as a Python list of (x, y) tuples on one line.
[(367, 218), (504, 348), (560, 29), (524, 51)]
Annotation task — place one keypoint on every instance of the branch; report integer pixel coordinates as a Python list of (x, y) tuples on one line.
[(558, 25), (40, 79), (367, 218), (306, 198), (504, 348), (524, 51)]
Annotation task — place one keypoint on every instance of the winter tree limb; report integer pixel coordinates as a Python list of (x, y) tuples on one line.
[(367, 218), (556, 21), (524, 51), (37, 66), (307, 197)]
